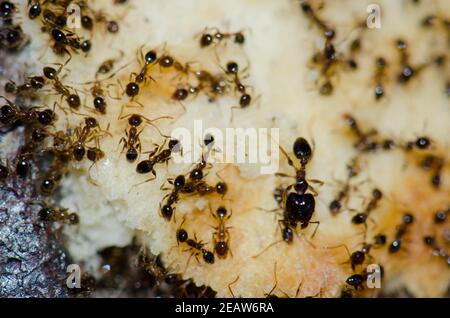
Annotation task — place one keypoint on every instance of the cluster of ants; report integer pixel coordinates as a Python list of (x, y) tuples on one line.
[(12, 37), (328, 60), (56, 19)]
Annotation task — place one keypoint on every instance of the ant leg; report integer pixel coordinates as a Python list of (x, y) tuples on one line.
[(229, 286)]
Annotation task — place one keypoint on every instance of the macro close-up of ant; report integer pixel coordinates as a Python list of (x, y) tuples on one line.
[(136, 137)]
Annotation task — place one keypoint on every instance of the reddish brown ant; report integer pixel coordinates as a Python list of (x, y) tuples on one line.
[(73, 100), (221, 236), (27, 89), (48, 214), (196, 247), (396, 244), (83, 135), (132, 142), (158, 155), (335, 205), (11, 114)]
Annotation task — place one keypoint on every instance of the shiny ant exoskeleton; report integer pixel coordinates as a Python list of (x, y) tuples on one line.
[(380, 74), (196, 247), (298, 206), (158, 155), (11, 114), (221, 236), (131, 141), (83, 135), (396, 244), (73, 100), (48, 214), (214, 37), (172, 198)]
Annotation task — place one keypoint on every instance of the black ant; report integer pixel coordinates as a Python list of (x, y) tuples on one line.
[(407, 71), (395, 246), (356, 280), (132, 141), (221, 236), (158, 155), (380, 74), (195, 246), (215, 37), (73, 100)]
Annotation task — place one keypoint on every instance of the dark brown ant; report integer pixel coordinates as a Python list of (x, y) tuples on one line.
[(151, 57), (221, 237), (380, 74), (158, 155), (356, 281), (11, 114), (83, 135), (407, 71), (365, 141), (172, 198), (48, 214), (395, 246), (73, 100), (214, 36), (436, 165), (298, 206), (195, 246), (132, 141), (27, 89), (232, 69)]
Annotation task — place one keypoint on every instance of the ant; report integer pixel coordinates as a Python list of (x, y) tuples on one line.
[(48, 214), (172, 198), (299, 206), (11, 113), (83, 135), (358, 257), (356, 280), (395, 246), (158, 155), (407, 71), (361, 217), (437, 164), (132, 141), (221, 236), (214, 36), (335, 205), (72, 99), (28, 89), (365, 141), (233, 70), (195, 246), (380, 74)]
